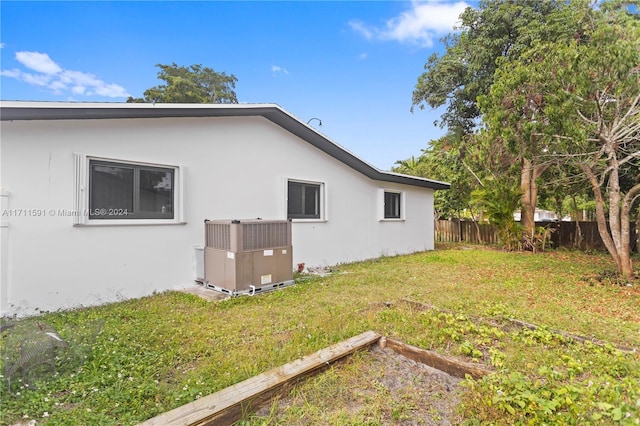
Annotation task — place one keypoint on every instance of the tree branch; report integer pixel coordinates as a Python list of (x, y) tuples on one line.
[(474, 175)]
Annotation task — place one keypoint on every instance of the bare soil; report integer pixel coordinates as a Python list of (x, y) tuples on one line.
[(378, 387)]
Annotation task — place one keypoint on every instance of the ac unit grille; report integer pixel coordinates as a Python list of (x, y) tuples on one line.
[(240, 236), (259, 236), (218, 236)]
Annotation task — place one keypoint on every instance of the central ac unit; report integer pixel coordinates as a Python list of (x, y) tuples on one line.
[(247, 256)]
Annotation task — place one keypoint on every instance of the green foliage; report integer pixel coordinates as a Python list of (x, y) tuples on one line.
[(548, 88), (541, 377), (495, 29), (561, 393), (192, 84), (444, 162), (500, 122), (578, 98), (499, 199)]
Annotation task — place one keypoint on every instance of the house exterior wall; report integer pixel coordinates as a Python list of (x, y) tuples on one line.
[(232, 168)]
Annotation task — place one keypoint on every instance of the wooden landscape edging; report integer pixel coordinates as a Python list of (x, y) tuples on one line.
[(449, 365), (228, 405)]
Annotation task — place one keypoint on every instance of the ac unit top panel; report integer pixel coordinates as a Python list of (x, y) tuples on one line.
[(247, 235)]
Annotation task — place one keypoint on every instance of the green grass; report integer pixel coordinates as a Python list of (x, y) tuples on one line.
[(156, 353)]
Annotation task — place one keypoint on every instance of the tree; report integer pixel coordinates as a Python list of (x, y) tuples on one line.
[(465, 71), (581, 97), (499, 200), (410, 166), (605, 86), (497, 32), (442, 161), (193, 84)]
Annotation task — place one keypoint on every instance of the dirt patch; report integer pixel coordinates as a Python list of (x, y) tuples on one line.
[(377, 386)]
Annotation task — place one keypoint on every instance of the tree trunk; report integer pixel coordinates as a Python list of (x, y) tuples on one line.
[(576, 212), (619, 219), (477, 226), (577, 241), (478, 233), (617, 237), (615, 222), (625, 217), (528, 185), (601, 218), (638, 232)]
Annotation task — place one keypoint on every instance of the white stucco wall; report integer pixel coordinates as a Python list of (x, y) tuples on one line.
[(233, 168)]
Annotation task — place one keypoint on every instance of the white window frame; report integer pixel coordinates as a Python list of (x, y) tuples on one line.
[(381, 210), (323, 200), (81, 193)]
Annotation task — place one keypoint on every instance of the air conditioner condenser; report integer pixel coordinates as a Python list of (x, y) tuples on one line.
[(248, 256)]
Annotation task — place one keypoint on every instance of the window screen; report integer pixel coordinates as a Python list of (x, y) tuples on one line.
[(392, 205), (303, 200), (130, 191)]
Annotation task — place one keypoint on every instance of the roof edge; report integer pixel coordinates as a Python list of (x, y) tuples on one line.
[(28, 110)]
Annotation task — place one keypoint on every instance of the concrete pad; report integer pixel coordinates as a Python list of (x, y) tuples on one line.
[(205, 293)]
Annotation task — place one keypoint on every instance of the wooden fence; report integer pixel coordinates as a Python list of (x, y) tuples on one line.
[(573, 235)]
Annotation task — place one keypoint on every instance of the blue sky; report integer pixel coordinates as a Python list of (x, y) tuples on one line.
[(351, 64)]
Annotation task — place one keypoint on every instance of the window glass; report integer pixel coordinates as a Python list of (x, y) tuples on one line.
[(303, 200), (111, 188), (156, 191), (294, 200), (130, 191), (311, 200), (392, 205)]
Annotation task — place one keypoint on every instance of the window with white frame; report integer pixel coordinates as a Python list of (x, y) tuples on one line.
[(118, 191), (392, 205), (130, 191), (304, 200)]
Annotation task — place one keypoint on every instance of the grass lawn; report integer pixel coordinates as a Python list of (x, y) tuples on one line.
[(159, 352)]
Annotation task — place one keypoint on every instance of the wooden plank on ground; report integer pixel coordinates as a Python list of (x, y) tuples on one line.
[(450, 365), (228, 405)]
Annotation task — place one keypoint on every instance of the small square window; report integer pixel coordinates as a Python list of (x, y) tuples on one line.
[(303, 200), (392, 205)]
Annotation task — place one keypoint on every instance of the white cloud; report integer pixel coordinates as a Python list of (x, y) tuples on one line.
[(40, 62), (50, 75), (57, 87), (276, 69), (422, 24), (14, 73), (33, 79), (80, 78), (36, 79), (361, 28), (363, 56), (111, 90), (78, 90)]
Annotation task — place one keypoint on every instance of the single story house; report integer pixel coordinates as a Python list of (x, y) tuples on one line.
[(107, 201)]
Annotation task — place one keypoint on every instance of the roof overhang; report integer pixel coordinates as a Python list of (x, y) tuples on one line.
[(19, 110)]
